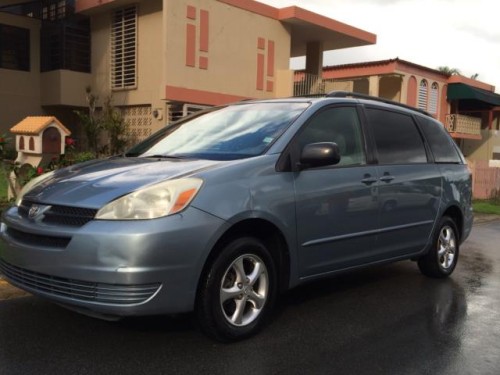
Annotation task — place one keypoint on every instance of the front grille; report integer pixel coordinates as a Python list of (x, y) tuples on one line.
[(61, 215), (77, 290), (31, 239)]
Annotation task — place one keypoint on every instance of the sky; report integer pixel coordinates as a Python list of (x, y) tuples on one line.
[(461, 34)]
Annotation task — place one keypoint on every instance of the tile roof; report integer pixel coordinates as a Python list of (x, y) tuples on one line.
[(383, 62), (36, 124)]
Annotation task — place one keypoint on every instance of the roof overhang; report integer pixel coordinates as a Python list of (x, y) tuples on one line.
[(309, 27), (94, 6), (305, 26), (472, 97)]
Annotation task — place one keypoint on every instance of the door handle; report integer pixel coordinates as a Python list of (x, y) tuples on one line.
[(387, 178)]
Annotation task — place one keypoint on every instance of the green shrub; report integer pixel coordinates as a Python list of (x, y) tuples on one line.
[(490, 206)]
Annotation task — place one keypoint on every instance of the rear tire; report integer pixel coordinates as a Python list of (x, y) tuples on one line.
[(442, 257), (238, 291)]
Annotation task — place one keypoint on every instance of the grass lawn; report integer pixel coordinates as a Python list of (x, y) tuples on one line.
[(491, 206)]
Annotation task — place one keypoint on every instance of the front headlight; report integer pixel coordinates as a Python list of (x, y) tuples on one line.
[(152, 202), (31, 184)]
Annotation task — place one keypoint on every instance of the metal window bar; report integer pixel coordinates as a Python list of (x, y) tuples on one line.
[(124, 48)]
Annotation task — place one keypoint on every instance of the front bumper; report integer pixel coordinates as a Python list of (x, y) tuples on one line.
[(114, 268)]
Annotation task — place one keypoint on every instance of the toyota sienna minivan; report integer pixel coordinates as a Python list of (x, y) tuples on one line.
[(220, 212)]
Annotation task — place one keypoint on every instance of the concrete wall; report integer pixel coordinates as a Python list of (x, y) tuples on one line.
[(443, 108), (232, 62), (226, 64), (20, 90), (361, 86), (64, 87), (390, 87), (481, 149), (150, 53)]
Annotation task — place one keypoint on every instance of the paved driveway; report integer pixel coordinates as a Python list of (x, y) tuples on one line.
[(384, 320)]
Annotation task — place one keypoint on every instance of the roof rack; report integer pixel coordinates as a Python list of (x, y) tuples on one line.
[(345, 94)]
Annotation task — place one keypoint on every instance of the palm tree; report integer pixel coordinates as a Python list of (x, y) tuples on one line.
[(449, 71)]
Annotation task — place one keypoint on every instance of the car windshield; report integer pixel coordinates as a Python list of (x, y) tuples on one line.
[(226, 133)]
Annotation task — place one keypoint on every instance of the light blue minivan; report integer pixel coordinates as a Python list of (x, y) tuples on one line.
[(220, 212)]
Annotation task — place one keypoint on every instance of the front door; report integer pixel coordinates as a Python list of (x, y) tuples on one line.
[(337, 206)]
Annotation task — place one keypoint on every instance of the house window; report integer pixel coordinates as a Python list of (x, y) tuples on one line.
[(124, 48), (14, 48), (52, 12), (422, 95), (61, 9), (433, 98), (56, 10), (496, 153), (64, 41), (21, 143), (32, 144)]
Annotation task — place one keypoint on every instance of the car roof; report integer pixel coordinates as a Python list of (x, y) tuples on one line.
[(344, 96)]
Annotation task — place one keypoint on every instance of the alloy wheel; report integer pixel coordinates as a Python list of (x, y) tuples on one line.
[(244, 290)]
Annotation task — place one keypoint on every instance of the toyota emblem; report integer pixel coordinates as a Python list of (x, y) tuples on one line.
[(37, 210)]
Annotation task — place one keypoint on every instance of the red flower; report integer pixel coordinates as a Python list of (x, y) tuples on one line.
[(39, 170), (70, 141)]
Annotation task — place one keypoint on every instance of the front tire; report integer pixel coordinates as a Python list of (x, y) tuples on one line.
[(238, 291), (442, 257)]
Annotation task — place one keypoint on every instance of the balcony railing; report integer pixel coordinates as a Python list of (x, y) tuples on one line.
[(308, 84), (463, 124)]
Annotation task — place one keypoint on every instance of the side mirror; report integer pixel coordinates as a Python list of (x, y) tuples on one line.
[(319, 155)]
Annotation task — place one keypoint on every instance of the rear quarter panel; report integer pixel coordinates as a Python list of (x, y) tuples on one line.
[(457, 191)]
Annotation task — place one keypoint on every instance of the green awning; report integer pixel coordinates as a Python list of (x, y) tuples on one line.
[(462, 91)]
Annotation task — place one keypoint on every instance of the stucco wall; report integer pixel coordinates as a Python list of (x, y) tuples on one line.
[(390, 88), (64, 87), (20, 90), (150, 76), (481, 149), (233, 48), (443, 107)]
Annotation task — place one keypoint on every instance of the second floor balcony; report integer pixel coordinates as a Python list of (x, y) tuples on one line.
[(305, 84), (461, 126)]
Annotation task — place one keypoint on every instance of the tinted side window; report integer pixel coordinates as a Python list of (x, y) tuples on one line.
[(397, 138), (441, 143), (340, 125)]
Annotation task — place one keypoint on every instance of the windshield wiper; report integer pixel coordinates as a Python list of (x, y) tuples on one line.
[(160, 156)]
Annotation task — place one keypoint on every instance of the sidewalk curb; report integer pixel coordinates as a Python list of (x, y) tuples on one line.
[(485, 218)]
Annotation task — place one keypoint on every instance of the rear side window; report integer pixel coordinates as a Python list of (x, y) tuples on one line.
[(397, 138), (441, 143)]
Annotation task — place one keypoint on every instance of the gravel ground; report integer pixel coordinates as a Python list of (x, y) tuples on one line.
[(8, 291)]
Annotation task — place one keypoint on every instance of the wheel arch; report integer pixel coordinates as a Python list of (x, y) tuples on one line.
[(457, 216), (266, 232)]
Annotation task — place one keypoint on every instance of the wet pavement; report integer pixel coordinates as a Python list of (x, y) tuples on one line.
[(384, 320)]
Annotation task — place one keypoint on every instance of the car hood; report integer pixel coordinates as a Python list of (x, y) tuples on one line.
[(96, 183)]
